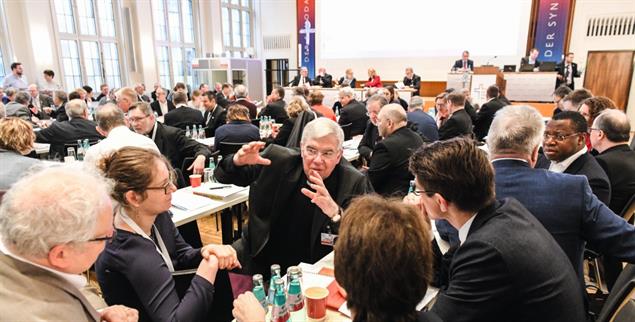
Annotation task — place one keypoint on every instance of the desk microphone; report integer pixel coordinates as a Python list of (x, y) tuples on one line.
[(491, 59)]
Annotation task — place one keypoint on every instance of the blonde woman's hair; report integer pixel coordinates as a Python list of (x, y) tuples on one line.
[(297, 105), (16, 135)]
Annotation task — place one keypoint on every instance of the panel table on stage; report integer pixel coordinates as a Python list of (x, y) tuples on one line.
[(331, 95), (530, 86)]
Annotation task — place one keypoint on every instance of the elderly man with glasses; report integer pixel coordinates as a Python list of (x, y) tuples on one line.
[(296, 197), (47, 242)]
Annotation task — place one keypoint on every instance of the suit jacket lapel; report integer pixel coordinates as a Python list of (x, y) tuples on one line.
[(577, 164), (158, 138)]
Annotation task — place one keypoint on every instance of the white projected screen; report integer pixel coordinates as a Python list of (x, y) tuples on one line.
[(421, 28)]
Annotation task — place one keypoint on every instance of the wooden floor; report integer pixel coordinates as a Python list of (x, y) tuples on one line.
[(207, 228)]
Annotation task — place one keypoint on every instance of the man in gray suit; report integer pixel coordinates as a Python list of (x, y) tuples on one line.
[(47, 242), (18, 107), (40, 104)]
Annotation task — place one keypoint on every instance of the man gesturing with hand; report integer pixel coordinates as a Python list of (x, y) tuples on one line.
[(296, 197)]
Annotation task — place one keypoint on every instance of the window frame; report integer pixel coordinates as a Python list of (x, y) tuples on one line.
[(244, 49), (5, 44)]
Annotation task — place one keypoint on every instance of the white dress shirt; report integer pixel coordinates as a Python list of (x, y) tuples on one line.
[(164, 107), (118, 138), (564, 164), (465, 229)]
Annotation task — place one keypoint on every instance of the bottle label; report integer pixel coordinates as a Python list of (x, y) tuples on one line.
[(279, 314), (295, 302)]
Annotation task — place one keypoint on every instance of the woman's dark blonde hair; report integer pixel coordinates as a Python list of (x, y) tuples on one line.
[(16, 135), (131, 170), (383, 259)]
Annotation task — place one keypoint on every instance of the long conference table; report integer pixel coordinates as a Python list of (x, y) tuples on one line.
[(331, 95)]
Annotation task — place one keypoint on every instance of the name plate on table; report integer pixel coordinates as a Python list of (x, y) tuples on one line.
[(217, 191)]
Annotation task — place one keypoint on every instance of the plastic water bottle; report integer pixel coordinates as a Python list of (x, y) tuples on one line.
[(259, 291), (279, 312), (80, 150), (261, 127), (188, 133), (194, 132), (411, 189), (295, 299), (275, 275), (201, 132), (86, 145)]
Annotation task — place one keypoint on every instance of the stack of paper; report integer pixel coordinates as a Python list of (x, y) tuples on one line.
[(217, 191), (186, 200)]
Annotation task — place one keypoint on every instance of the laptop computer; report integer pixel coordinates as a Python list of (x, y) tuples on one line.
[(548, 66), (509, 68), (526, 68)]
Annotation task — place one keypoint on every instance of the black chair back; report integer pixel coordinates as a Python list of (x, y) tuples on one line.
[(256, 122), (629, 210), (624, 286), (227, 148), (347, 130)]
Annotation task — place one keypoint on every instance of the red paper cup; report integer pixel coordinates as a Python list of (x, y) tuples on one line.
[(195, 180), (316, 303)]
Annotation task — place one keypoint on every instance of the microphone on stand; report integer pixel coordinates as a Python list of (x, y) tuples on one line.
[(491, 59)]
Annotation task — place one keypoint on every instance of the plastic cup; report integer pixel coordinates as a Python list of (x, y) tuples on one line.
[(316, 303), (195, 180)]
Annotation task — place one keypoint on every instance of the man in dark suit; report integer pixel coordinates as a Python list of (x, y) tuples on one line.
[(276, 107), (302, 79), (465, 63), (296, 197), (485, 115), (388, 169), (241, 98), (154, 93), (492, 277), (39, 102), (459, 123), (68, 132), (371, 133), (563, 203), (412, 80), (171, 141), (564, 144), (323, 79), (567, 71), (183, 116), (214, 116), (352, 112), (426, 124), (532, 59), (161, 105)]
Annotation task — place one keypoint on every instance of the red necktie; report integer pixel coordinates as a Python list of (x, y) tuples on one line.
[(464, 65)]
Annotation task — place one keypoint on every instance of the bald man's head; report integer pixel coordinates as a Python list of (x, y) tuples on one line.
[(391, 118)]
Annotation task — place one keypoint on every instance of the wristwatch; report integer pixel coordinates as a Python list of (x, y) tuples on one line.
[(338, 216)]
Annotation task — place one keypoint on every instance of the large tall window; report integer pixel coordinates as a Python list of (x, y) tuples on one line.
[(237, 26), (89, 44), (175, 41), (3, 44)]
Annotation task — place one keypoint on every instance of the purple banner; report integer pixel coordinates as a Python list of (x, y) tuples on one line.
[(306, 35), (551, 29)]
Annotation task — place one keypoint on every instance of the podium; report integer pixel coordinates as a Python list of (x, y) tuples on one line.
[(484, 77), (459, 80)]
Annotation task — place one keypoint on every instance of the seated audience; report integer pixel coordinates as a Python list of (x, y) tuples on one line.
[(289, 133), (16, 141), (140, 88), (388, 169), (275, 106), (442, 113), (573, 100), (563, 203), (491, 276), (373, 79), (297, 196), (146, 240), (459, 123), (171, 141), (564, 145), (387, 290), (89, 93), (196, 102), (412, 80), (111, 123), (60, 98), (371, 134), (154, 95), (39, 102), (183, 116), (347, 80), (486, 113), (315, 100), (468, 103), (125, 98), (215, 115), (323, 79), (558, 95), (225, 95), (19, 106), (593, 106), (103, 92), (78, 127), (426, 126), (302, 79), (393, 97), (241, 98), (352, 112), (49, 241), (238, 128), (161, 105)]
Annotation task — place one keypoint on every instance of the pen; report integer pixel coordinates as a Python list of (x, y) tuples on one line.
[(221, 187)]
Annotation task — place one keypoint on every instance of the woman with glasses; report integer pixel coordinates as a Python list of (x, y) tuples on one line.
[(137, 268)]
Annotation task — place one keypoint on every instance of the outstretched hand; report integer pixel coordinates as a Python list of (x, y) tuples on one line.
[(249, 154), (321, 196)]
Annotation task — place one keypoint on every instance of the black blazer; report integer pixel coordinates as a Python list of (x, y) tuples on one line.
[(222, 101), (459, 124), (509, 268), (368, 141), (60, 113), (459, 64), (415, 83), (270, 190), (561, 69), (173, 143), (587, 166), (184, 116), (217, 119), (525, 61), (485, 116), (351, 84), (156, 107), (67, 132), (296, 80), (619, 164), (154, 94), (275, 110), (354, 112), (325, 81), (470, 110), (388, 170)]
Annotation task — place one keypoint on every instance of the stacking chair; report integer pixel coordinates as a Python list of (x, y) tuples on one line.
[(227, 148), (620, 304)]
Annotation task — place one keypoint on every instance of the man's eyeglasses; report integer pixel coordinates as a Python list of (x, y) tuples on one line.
[(591, 129), (101, 239), (421, 192), (312, 152), (137, 119), (558, 137), (166, 187)]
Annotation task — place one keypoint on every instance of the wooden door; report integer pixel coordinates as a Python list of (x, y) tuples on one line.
[(609, 73)]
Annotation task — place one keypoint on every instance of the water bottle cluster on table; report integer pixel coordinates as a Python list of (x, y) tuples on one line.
[(196, 132), (266, 126), (283, 300)]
